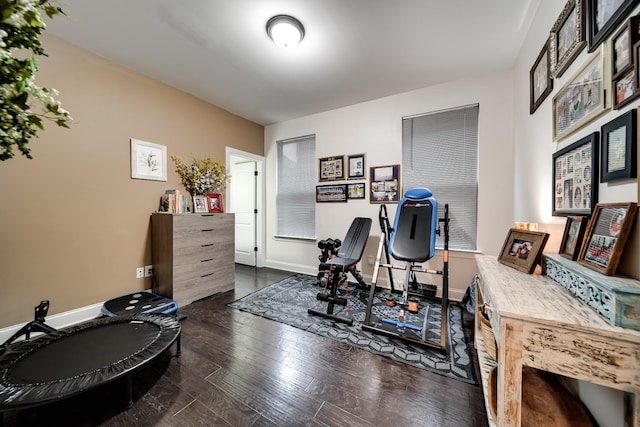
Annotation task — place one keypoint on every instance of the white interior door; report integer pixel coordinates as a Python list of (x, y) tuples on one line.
[(242, 188)]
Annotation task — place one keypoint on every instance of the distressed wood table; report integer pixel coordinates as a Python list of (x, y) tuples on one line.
[(539, 324)]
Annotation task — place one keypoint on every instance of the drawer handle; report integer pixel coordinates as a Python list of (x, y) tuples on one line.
[(205, 275), (208, 244), (207, 229), (207, 260)]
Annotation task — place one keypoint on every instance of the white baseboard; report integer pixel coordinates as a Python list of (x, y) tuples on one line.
[(58, 321)]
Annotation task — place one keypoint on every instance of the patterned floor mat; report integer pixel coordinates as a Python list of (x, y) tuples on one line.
[(287, 302)]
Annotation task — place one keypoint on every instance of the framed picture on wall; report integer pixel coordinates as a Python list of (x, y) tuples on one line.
[(540, 81), (356, 166), (604, 16), (331, 193), (575, 177), (148, 160), (582, 98), (619, 147), (606, 235), (384, 184), (567, 37), (331, 168), (573, 235), (356, 190)]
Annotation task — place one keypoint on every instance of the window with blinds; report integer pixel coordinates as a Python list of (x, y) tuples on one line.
[(295, 188), (440, 152)]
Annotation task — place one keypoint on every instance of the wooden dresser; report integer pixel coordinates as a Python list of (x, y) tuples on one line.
[(538, 323), (192, 255)]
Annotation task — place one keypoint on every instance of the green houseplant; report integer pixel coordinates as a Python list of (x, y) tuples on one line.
[(24, 105)]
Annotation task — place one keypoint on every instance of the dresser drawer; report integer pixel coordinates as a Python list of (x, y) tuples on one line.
[(191, 222), (203, 286)]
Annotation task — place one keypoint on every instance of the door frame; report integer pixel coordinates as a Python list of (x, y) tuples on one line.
[(260, 201)]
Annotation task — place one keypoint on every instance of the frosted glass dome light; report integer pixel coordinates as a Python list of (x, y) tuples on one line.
[(285, 31)]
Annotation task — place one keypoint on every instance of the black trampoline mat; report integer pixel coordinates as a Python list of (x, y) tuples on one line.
[(83, 352)]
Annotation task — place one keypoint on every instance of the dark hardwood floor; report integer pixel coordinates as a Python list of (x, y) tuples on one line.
[(237, 369)]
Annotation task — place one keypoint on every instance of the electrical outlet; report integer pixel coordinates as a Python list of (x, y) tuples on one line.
[(139, 272), (148, 270)]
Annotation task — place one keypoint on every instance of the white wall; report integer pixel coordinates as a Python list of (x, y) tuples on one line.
[(375, 128), (534, 147)]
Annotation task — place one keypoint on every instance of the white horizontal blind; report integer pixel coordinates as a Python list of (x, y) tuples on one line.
[(296, 191), (440, 152)]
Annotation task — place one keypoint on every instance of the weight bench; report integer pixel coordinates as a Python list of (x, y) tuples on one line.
[(348, 257), (412, 241)]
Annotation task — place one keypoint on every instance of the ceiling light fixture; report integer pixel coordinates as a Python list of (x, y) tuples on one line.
[(285, 31)]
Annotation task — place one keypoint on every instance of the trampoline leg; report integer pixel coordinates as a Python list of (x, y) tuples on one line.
[(129, 391)]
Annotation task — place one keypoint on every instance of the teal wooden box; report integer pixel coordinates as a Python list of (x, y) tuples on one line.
[(615, 298)]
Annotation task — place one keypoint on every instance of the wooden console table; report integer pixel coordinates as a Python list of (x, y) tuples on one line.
[(538, 323)]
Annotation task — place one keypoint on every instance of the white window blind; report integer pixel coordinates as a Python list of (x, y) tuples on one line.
[(440, 152), (296, 191)]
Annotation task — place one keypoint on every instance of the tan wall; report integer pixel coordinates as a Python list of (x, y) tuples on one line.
[(73, 224)]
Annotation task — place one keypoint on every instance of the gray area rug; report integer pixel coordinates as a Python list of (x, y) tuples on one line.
[(287, 302)]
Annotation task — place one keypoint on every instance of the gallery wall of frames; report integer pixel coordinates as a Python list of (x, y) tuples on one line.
[(608, 80)]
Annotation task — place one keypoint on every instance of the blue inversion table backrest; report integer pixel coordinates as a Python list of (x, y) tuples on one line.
[(414, 233)]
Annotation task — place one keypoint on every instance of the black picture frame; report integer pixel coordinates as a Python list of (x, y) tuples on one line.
[(356, 166), (602, 21), (331, 193), (540, 81), (356, 190), (572, 237), (618, 148), (576, 167), (606, 236), (331, 168), (567, 37)]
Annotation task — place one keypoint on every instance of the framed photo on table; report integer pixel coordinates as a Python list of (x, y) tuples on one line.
[(575, 177), (573, 235), (606, 235), (331, 168), (619, 160), (200, 204), (582, 98), (522, 249), (604, 16), (384, 184), (540, 81), (214, 202), (567, 37)]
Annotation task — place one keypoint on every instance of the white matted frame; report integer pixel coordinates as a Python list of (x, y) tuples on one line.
[(584, 97), (148, 160)]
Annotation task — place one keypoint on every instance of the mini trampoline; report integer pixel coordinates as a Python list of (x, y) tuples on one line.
[(71, 361)]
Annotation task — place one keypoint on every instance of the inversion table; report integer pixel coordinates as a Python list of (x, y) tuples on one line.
[(412, 241)]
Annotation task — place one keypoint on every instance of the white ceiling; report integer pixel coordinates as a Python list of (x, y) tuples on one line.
[(353, 50)]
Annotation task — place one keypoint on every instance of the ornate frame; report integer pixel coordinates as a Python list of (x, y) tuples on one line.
[(567, 38)]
